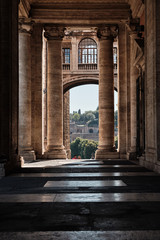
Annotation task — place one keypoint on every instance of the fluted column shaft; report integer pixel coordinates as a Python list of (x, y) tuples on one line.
[(55, 148), (26, 151), (106, 94)]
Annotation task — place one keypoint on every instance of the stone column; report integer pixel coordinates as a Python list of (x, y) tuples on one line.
[(133, 77), (66, 123), (106, 147), (9, 86), (122, 90), (55, 148), (44, 96), (25, 149)]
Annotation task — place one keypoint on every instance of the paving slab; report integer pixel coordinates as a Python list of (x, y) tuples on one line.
[(100, 183), (82, 235)]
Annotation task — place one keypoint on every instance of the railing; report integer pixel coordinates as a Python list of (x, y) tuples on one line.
[(87, 66), (66, 67)]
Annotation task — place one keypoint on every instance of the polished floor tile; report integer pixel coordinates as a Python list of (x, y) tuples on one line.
[(86, 174), (80, 197), (27, 198), (82, 235), (108, 197), (100, 166), (54, 163), (107, 183)]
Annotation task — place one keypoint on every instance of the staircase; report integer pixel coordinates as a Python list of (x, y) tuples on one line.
[(80, 199)]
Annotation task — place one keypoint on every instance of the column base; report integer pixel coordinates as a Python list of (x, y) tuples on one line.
[(27, 156), (13, 164), (106, 154), (68, 152), (55, 153), (2, 167)]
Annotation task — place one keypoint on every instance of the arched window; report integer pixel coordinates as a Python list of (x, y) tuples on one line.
[(87, 51)]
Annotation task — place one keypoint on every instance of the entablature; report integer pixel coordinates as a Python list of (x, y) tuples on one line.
[(78, 13)]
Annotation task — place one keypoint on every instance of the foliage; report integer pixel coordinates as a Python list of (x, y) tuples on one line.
[(90, 116), (76, 117), (80, 118), (84, 148), (89, 149), (75, 147), (93, 123), (116, 142), (116, 119)]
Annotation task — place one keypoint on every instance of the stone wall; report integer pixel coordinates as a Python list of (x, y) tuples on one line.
[(152, 86)]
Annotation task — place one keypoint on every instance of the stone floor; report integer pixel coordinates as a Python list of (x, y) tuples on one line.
[(80, 199)]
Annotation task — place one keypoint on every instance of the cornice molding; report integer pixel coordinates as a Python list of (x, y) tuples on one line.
[(36, 2), (79, 14)]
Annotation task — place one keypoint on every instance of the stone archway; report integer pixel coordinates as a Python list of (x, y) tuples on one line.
[(69, 83)]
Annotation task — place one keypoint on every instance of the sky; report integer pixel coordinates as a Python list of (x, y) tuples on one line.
[(85, 98)]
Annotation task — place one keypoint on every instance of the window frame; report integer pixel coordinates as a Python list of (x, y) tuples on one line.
[(86, 54), (66, 54)]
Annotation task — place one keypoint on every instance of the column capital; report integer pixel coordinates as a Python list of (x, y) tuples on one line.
[(54, 32), (25, 25), (107, 32)]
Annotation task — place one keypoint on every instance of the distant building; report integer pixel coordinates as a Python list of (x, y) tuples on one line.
[(86, 131)]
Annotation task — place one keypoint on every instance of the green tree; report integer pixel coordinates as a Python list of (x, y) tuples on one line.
[(116, 142), (76, 147), (90, 116), (83, 147), (76, 117), (116, 119), (89, 149)]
